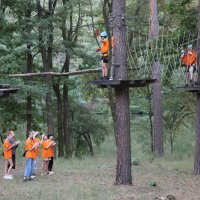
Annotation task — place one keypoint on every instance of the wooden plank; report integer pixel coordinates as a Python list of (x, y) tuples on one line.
[(121, 83), (56, 74)]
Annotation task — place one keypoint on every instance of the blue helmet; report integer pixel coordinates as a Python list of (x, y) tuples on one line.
[(189, 46), (103, 34)]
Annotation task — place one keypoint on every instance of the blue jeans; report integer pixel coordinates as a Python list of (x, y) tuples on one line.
[(29, 167)]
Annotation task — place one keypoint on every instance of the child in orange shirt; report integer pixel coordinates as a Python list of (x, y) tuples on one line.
[(189, 58), (46, 144), (30, 146), (7, 150), (36, 140), (104, 50), (51, 154)]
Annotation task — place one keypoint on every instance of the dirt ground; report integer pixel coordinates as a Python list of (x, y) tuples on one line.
[(93, 179)]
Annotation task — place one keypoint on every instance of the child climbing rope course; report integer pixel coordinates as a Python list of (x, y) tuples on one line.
[(189, 57), (104, 50)]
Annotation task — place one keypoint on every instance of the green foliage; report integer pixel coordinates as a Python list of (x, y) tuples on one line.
[(135, 161), (87, 131)]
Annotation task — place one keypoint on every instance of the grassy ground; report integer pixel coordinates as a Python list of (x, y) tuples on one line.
[(93, 178)]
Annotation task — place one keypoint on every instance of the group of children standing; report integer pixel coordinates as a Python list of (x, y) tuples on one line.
[(31, 154)]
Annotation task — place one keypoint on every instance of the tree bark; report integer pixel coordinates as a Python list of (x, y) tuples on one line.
[(197, 139), (150, 117), (171, 141), (156, 71), (29, 65), (56, 88), (154, 22), (123, 168), (46, 53), (158, 113)]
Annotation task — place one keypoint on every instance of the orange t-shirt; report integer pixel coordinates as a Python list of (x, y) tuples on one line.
[(105, 47), (37, 148), (113, 42), (45, 152), (189, 58), (7, 145), (51, 150), (28, 145)]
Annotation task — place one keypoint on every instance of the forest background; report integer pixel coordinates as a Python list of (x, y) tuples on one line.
[(59, 36)]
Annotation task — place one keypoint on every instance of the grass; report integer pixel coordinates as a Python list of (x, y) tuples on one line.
[(93, 179)]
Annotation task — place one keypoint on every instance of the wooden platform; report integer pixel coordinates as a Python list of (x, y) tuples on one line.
[(121, 83), (190, 89), (6, 90)]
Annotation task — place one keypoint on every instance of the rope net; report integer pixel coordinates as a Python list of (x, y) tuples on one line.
[(142, 53)]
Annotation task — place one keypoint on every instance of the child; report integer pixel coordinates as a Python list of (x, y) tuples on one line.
[(51, 154), (104, 50), (36, 140), (14, 144), (7, 149), (46, 144), (30, 146), (189, 58)]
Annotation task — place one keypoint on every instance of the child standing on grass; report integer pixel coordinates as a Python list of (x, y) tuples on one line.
[(30, 146), (51, 154), (36, 140), (14, 144), (46, 144), (7, 150)]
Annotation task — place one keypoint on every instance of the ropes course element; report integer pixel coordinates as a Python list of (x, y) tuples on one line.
[(167, 49), (56, 74)]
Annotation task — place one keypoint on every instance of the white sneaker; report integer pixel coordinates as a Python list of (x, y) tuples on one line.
[(8, 177), (33, 177), (51, 173), (5, 177)]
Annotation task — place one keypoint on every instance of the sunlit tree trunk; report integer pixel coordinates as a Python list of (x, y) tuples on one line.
[(156, 71), (123, 136)]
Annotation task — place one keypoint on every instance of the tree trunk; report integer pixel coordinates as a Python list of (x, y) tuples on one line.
[(66, 132), (150, 117), (156, 71), (46, 53), (29, 65), (197, 140), (29, 97), (154, 23), (59, 120), (158, 113), (171, 141), (123, 168), (50, 123)]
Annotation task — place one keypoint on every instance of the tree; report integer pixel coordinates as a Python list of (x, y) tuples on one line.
[(197, 140), (157, 95), (122, 114)]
